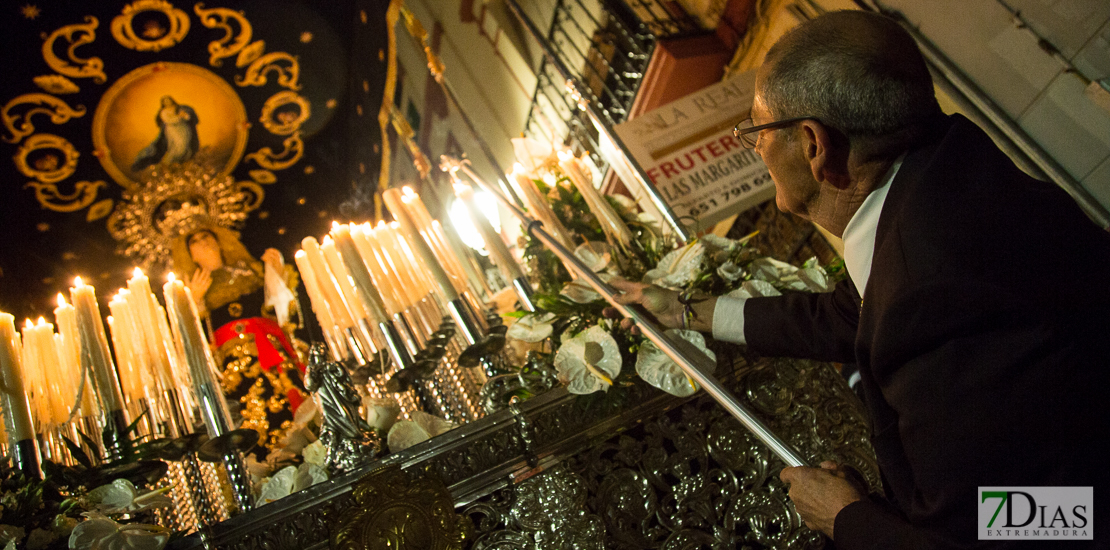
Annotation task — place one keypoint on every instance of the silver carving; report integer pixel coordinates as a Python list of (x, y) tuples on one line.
[(350, 441)]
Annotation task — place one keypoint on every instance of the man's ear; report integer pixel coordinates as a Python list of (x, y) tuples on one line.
[(828, 160)]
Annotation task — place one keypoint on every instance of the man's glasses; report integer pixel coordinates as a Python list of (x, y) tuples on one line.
[(748, 134)]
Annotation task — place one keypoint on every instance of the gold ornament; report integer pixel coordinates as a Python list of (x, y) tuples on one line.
[(287, 76), (294, 150), (48, 169), (231, 43), (84, 193), (77, 67), (56, 84), (154, 38), (286, 122), (59, 111), (178, 199)]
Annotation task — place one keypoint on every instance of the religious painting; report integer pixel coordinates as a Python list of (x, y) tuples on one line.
[(164, 114)]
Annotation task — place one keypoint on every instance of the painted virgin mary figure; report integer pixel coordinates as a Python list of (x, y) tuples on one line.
[(241, 301), (177, 139)]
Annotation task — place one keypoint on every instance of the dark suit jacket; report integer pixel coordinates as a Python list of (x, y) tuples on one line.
[(982, 343)]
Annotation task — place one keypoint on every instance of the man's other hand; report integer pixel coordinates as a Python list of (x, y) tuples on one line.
[(661, 303), (819, 494)]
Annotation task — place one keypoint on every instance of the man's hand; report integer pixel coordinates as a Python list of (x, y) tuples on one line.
[(819, 494), (661, 303)]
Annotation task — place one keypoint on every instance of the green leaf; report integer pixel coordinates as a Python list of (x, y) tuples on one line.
[(78, 453)]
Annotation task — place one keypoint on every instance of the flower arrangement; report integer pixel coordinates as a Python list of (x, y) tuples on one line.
[(569, 332)]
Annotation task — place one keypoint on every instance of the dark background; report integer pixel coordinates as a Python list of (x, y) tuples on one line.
[(42, 250)]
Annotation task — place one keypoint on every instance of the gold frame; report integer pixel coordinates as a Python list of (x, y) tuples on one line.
[(100, 121)]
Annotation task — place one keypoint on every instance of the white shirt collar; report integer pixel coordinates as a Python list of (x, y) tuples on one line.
[(859, 234)]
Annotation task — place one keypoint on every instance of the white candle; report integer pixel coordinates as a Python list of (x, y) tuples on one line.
[(94, 346), (327, 284), (397, 262), (69, 357), (359, 274), (494, 245), (420, 246), (156, 351), (339, 273), (386, 284), (17, 411), (198, 356), (539, 207), (611, 223)]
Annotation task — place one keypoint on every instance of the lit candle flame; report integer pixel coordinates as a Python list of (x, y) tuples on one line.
[(171, 277), (77, 282), (28, 324), (299, 254), (62, 300), (518, 168), (137, 273), (335, 225), (327, 240), (41, 322)]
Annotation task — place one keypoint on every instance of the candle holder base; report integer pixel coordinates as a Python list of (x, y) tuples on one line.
[(228, 449), (26, 458)]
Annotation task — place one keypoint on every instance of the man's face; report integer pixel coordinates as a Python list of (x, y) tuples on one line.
[(782, 150)]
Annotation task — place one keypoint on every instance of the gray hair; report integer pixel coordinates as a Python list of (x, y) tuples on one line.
[(855, 71)]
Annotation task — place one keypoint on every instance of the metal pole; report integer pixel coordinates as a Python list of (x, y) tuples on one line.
[(690, 359), (680, 231)]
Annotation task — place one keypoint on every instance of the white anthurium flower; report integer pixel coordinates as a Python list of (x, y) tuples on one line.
[(596, 255), (315, 453), (381, 413), (754, 289), (11, 533), (678, 268), (308, 474), (532, 328), (579, 291), (121, 496), (729, 271), (589, 361), (659, 370), (10, 545), (531, 154), (278, 486), (101, 533), (815, 278), (720, 243), (422, 427)]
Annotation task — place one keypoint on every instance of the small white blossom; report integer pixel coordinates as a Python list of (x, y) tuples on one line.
[(729, 271), (381, 413)]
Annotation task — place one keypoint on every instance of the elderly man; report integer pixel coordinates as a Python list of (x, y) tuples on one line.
[(976, 305)]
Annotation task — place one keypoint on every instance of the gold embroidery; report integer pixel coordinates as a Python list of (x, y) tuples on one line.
[(124, 32), (218, 18), (40, 104), (287, 77), (235, 309), (47, 172), (290, 123), (266, 158), (81, 68)]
